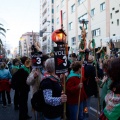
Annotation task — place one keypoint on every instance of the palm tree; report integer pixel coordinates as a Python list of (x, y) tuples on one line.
[(2, 32)]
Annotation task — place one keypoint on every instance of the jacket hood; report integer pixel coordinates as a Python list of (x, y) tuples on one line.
[(73, 74)]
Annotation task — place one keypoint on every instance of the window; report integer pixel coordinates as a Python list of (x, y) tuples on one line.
[(117, 22), (85, 16), (93, 12), (52, 10), (57, 8), (102, 6), (64, 15), (52, 1), (113, 8), (70, 26), (73, 41), (62, 3), (57, 20), (52, 20), (79, 37), (52, 28), (111, 15), (73, 8), (80, 1), (116, 11), (96, 32)]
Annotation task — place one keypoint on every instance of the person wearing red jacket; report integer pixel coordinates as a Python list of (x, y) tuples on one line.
[(73, 86)]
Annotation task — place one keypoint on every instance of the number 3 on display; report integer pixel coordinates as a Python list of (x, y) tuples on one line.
[(65, 58), (38, 60)]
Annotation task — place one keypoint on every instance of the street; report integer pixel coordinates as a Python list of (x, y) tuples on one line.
[(10, 114)]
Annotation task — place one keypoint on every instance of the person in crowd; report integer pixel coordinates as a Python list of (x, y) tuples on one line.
[(14, 69), (42, 69), (73, 86), (5, 86), (73, 57), (15, 66), (21, 77), (90, 83), (112, 99), (52, 92), (34, 80), (9, 64), (104, 84)]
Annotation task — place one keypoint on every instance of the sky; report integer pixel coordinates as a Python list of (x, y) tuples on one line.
[(19, 17)]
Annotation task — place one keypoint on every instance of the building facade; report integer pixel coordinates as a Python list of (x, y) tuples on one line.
[(26, 41), (103, 17), (46, 24)]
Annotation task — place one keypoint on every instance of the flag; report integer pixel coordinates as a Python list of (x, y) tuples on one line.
[(93, 43)]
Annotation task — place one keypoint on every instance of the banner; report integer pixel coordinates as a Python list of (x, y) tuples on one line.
[(60, 60), (36, 59)]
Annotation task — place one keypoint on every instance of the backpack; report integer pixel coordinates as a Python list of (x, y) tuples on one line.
[(37, 100)]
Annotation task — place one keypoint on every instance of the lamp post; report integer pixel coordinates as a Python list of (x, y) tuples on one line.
[(59, 37), (61, 53)]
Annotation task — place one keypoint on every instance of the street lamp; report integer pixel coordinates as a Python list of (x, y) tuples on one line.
[(59, 36)]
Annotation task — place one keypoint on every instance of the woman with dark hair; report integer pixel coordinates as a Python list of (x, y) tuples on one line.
[(73, 87), (21, 77), (112, 99), (15, 68)]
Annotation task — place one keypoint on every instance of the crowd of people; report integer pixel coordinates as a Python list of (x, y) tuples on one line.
[(84, 79)]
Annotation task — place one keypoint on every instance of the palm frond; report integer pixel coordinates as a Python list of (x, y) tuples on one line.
[(3, 34), (2, 29)]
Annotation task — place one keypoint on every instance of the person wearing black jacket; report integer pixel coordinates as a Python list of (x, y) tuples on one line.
[(90, 84), (52, 92), (21, 76)]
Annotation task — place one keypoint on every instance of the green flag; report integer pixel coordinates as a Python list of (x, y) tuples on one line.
[(93, 43)]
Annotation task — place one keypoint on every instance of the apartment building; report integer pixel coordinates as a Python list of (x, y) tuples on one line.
[(26, 41), (46, 24), (115, 22), (103, 17)]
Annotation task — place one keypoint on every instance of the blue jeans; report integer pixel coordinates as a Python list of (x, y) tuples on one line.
[(72, 109), (58, 118)]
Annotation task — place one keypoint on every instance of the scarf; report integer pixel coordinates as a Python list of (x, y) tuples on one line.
[(112, 109), (73, 74), (17, 67), (26, 69)]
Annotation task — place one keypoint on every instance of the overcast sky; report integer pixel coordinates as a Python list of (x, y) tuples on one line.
[(19, 16)]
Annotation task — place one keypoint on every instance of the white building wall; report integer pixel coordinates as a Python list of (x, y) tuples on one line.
[(98, 21), (48, 20), (26, 42), (101, 19), (115, 28)]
